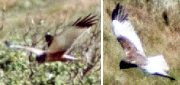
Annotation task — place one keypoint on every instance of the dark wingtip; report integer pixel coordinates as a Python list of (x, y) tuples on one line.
[(87, 21), (169, 77), (119, 14), (126, 65), (173, 79)]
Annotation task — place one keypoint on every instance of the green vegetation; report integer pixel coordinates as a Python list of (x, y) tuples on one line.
[(156, 36), (25, 22)]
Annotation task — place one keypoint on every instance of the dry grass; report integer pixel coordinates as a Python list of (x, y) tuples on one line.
[(157, 37)]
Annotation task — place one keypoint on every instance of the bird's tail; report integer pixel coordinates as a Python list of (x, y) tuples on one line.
[(33, 50), (119, 13)]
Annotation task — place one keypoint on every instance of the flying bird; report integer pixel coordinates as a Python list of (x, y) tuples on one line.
[(59, 44), (132, 46)]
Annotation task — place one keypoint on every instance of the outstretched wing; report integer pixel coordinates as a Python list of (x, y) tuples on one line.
[(166, 76), (157, 64), (31, 49), (127, 37), (132, 54), (87, 21), (43, 56)]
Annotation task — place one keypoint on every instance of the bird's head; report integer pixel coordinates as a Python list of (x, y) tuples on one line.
[(48, 38)]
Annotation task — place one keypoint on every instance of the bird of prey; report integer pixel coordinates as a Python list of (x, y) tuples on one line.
[(59, 44), (131, 44)]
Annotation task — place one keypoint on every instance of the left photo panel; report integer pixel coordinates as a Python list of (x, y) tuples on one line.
[(50, 42)]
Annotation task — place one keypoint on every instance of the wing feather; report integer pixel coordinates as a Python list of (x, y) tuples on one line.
[(127, 37), (87, 21), (132, 54)]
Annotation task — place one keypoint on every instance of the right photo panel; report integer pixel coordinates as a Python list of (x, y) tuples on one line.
[(141, 42)]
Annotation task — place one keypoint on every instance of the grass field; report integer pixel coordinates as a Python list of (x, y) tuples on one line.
[(25, 22), (157, 36)]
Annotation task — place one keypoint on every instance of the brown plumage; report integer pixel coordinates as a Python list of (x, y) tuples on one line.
[(133, 56), (58, 44)]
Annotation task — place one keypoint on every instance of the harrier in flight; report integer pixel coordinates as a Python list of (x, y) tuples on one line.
[(131, 44), (59, 44)]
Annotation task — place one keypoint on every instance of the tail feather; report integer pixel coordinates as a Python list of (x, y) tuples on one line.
[(119, 13)]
